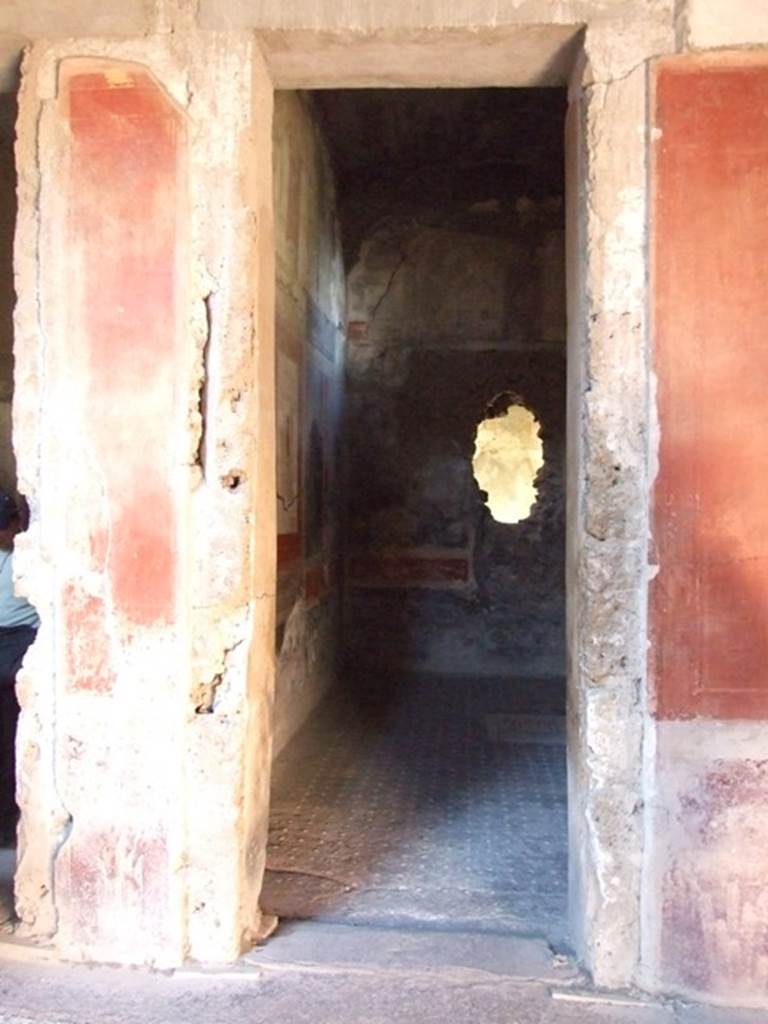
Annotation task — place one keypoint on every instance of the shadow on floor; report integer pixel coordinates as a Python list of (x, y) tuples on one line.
[(436, 802)]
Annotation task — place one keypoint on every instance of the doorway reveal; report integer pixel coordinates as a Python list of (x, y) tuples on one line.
[(420, 693)]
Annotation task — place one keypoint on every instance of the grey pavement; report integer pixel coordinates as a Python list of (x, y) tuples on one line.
[(338, 974)]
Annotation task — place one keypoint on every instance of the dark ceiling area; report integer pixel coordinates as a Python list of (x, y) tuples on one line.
[(398, 150)]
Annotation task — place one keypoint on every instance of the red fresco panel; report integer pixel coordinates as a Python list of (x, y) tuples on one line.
[(288, 549), (123, 202), (709, 220)]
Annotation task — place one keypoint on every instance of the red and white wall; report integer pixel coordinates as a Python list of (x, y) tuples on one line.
[(706, 913), (144, 426)]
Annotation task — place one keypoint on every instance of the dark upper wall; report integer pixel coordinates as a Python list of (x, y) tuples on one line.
[(452, 218), (431, 152)]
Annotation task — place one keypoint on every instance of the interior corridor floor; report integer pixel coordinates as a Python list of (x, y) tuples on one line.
[(441, 806)]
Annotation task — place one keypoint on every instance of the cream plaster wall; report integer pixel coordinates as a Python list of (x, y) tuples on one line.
[(711, 23)]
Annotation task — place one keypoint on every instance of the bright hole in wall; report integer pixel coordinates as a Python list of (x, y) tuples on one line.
[(508, 455)]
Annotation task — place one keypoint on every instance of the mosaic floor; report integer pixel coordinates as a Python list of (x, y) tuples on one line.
[(443, 806)]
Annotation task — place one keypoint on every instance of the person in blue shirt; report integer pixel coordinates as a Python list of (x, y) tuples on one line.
[(18, 627)]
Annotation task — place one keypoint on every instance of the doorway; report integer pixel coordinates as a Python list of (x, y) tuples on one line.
[(420, 696), (610, 431)]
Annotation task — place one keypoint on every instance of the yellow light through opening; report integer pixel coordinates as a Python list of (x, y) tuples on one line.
[(508, 455)]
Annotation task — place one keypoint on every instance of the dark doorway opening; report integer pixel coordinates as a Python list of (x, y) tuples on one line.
[(427, 788)]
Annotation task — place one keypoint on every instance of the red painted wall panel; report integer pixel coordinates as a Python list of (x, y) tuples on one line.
[(709, 222), (288, 549), (123, 196), (117, 386)]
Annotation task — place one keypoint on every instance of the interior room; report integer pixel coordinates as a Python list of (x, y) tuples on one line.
[(419, 776)]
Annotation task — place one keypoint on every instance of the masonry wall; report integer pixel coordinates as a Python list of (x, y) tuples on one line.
[(309, 353), (663, 806), (456, 310)]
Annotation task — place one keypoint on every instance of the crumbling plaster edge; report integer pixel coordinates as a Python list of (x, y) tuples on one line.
[(35, 571), (169, 62), (648, 902), (611, 947)]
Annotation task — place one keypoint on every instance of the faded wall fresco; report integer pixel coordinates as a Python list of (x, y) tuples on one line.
[(117, 589), (309, 337), (709, 600)]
